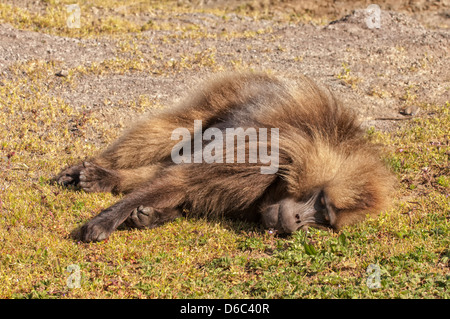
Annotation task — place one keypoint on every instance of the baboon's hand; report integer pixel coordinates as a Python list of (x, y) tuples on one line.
[(97, 229)]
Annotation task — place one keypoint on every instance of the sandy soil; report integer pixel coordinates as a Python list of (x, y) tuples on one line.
[(376, 71)]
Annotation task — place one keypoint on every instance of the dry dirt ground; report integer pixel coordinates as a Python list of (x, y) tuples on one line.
[(377, 71)]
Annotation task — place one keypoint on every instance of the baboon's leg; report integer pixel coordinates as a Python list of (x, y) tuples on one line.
[(147, 143), (94, 178)]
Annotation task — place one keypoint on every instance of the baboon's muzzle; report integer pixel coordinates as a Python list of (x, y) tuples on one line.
[(289, 215)]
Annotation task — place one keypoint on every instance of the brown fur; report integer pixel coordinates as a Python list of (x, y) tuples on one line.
[(323, 155)]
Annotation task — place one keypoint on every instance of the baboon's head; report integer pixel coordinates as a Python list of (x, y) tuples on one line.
[(331, 187)]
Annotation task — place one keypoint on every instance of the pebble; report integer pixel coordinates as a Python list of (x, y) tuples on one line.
[(411, 110), (62, 73)]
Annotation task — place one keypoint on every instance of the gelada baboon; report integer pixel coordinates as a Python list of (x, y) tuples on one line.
[(327, 174)]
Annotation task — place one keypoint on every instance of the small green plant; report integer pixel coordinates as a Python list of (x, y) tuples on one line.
[(443, 181), (346, 77)]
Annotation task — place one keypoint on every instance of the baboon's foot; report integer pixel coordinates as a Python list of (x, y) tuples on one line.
[(149, 217), (69, 176), (94, 178)]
